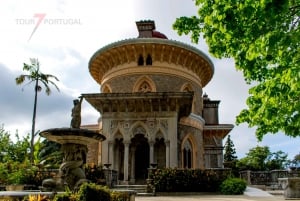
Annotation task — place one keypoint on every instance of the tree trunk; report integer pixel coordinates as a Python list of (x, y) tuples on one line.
[(33, 122)]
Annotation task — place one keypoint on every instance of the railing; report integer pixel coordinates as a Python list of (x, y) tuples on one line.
[(267, 178)]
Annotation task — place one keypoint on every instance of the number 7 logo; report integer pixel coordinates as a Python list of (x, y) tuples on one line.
[(40, 17)]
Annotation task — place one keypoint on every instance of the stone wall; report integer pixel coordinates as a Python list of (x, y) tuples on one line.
[(268, 178)]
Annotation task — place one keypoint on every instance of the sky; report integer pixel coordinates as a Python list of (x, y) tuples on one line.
[(64, 34)]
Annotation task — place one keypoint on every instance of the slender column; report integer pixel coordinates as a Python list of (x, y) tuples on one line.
[(104, 145), (172, 128), (220, 159), (111, 153), (167, 154), (132, 178), (105, 152), (117, 157), (151, 152), (126, 155)]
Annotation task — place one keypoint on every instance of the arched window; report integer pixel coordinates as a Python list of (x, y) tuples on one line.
[(149, 60), (187, 154), (141, 60)]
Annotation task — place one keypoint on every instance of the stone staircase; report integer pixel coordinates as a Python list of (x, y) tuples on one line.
[(141, 190)]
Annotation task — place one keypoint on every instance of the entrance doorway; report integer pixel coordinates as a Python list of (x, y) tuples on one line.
[(140, 143)]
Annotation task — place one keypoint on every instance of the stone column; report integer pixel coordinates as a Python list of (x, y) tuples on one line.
[(167, 154), (117, 158), (220, 159), (172, 133), (151, 143), (126, 157), (111, 153), (104, 145)]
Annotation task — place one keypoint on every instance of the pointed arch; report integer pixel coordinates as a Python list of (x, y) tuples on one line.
[(140, 60), (106, 89), (149, 60), (160, 134), (144, 84), (160, 150), (188, 152), (187, 87), (139, 127), (118, 134)]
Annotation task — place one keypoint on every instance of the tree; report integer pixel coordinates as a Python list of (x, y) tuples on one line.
[(255, 159), (37, 77), (4, 144), (295, 163), (50, 154), (230, 153), (263, 37), (13, 151), (277, 161), (261, 158)]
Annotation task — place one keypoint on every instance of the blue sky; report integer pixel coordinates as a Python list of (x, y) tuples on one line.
[(70, 32)]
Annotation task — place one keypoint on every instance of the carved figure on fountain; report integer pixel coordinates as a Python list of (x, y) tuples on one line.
[(76, 113), (74, 147)]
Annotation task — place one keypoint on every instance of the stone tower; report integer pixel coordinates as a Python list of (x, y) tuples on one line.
[(152, 108)]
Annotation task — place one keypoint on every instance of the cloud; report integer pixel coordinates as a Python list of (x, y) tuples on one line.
[(64, 51), (17, 104)]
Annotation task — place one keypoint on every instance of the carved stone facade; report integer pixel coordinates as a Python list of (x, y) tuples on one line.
[(152, 108)]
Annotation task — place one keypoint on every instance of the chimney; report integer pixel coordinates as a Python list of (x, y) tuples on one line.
[(210, 111), (145, 28)]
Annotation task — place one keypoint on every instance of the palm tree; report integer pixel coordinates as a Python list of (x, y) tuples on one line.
[(35, 76)]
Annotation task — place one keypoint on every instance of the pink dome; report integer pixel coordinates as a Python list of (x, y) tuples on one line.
[(157, 34)]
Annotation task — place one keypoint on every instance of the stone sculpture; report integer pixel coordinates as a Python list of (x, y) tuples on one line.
[(76, 113)]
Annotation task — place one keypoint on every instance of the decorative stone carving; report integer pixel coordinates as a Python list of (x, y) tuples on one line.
[(76, 113), (113, 126), (291, 187), (71, 171), (164, 124), (139, 130)]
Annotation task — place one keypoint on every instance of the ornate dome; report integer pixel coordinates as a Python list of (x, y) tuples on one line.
[(157, 34), (152, 49)]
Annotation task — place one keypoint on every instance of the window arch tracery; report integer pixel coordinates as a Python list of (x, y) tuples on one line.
[(144, 84)]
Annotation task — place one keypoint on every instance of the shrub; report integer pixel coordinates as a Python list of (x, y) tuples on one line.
[(93, 192), (187, 180), (95, 174), (233, 186), (119, 196), (65, 197), (36, 198)]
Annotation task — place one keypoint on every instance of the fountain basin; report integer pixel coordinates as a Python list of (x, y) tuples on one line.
[(72, 136), (74, 143)]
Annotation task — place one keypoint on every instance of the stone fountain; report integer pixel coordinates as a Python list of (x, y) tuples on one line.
[(74, 143)]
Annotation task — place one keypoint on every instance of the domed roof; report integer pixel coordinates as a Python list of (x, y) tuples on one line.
[(118, 57), (183, 57), (157, 34)]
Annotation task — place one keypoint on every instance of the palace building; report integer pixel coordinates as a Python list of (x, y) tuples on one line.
[(152, 108)]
